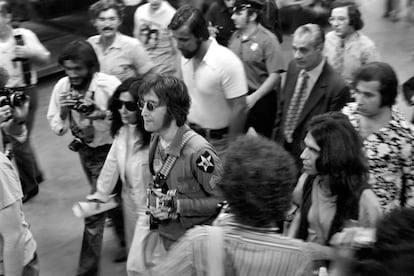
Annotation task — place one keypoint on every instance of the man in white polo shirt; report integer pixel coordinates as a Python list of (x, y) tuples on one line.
[(214, 76)]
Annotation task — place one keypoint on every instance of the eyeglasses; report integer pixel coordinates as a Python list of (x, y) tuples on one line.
[(151, 106), (131, 106)]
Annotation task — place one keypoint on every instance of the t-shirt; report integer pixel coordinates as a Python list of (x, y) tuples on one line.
[(151, 28)]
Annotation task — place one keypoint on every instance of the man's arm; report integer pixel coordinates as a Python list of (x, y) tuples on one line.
[(271, 82), (12, 234), (58, 117), (238, 113), (33, 49)]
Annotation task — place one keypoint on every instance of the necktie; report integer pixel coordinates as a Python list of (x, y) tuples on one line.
[(295, 107), (338, 62)]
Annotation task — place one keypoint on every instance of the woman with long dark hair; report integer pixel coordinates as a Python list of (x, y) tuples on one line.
[(127, 158), (333, 190)]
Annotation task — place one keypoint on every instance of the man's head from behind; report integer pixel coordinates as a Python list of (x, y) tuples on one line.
[(307, 45), (5, 13), (258, 180), (189, 29), (80, 62), (163, 92)]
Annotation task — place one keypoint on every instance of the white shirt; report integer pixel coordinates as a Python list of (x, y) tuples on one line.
[(220, 76), (104, 86)]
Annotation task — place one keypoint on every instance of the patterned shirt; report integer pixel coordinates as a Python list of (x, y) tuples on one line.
[(390, 155), (249, 251), (358, 50)]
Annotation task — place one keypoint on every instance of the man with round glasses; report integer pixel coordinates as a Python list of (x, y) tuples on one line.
[(346, 48), (196, 169)]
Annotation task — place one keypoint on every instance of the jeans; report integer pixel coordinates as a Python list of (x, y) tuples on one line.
[(92, 160)]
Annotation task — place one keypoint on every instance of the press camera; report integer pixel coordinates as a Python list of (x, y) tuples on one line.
[(13, 98)]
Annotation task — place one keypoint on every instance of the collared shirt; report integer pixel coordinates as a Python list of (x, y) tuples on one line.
[(390, 153), (125, 58), (152, 30), (260, 53), (103, 86), (10, 196), (215, 80), (358, 50), (14, 68), (248, 250), (313, 76)]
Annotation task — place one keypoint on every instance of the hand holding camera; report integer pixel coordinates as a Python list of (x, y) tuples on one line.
[(13, 104), (162, 206)]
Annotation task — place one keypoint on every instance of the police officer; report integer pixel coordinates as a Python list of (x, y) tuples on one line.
[(195, 167), (261, 54)]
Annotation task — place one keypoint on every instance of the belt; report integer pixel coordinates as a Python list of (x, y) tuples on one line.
[(210, 133)]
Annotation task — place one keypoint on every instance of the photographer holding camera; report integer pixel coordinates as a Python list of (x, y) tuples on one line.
[(17, 246), (79, 102), (21, 50)]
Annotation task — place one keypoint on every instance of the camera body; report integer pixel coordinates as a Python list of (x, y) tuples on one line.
[(80, 105), (12, 98), (164, 201)]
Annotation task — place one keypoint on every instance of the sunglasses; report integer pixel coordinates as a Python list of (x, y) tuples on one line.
[(131, 106), (151, 106)]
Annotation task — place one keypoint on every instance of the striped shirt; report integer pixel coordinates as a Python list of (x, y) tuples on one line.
[(249, 251)]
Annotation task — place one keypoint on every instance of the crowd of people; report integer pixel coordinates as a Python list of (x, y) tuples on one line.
[(225, 158)]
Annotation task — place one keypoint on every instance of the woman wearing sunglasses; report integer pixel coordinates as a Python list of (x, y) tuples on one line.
[(127, 158)]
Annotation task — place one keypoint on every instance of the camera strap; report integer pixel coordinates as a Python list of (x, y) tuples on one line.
[(170, 160)]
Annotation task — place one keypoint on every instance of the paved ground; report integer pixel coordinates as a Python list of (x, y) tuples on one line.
[(58, 232)]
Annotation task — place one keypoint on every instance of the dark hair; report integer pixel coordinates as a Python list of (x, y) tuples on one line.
[(130, 85), (172, 92), (393, 251), (341, 162), (80, 51), (104, 5), (193, 18), (385, 74), (258, 180), (354, 14)]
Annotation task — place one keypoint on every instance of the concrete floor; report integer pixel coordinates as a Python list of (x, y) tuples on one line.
[(58, 232)]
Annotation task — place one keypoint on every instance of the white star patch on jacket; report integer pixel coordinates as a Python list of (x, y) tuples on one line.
[(205, 162)]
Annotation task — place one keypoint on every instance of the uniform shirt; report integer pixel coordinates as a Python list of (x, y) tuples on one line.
[(390, 153), (14, 68), (194, 175), (125, 58), (260, 53), (218, 77), (10, 197), (250, 251), (152, 30), (358, 50), (103, 87)]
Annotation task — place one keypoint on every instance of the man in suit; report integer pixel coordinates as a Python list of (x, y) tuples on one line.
[(312, 87)]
